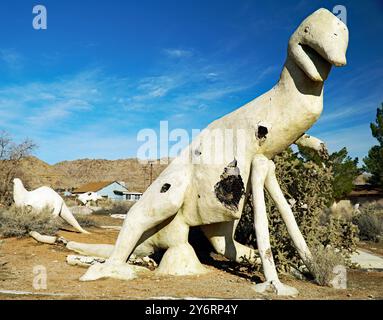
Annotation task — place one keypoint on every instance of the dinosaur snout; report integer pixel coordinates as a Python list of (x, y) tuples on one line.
[(340, 63), (337, 56)]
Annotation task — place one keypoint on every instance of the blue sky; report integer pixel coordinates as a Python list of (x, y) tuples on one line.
[(103, 70)]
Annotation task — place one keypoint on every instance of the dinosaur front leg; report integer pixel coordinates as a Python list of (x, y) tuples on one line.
[(276, 193), (260, 168), (159, 203), (311, 142)]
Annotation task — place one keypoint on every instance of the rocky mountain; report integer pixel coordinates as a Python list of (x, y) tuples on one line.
[(71, 174)]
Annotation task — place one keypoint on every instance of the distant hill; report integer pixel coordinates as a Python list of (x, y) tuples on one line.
[(72, 174)]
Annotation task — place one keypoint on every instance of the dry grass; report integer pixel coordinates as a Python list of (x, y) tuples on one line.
[(115, 207), (86, 221), (18, 222), (3, 266), (323, 263)]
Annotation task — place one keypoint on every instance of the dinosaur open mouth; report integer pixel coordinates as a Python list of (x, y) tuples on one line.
[(315, 57)]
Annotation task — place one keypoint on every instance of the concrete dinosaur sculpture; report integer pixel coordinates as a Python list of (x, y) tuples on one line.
[(44, 197), (87, 197), (212, 196)]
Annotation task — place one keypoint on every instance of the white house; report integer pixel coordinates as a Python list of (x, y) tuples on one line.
[(132, 196), (113, 190)]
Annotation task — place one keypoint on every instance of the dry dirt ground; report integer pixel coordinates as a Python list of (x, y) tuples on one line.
[(226, 280)]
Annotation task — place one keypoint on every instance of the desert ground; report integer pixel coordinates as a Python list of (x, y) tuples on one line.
[(226, 280)]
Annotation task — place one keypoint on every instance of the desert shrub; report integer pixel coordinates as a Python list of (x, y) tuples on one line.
[(324, 260), (115, 207), (370, 222), (3, 266), (106, 203), (11, 155), (86, 221), (18, 222), (342, 209), (71, 201), (308, 188)]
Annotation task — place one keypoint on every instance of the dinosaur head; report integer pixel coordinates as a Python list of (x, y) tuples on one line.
[(319, 42)]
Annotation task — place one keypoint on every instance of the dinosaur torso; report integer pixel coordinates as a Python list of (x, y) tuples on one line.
[(286, 114)]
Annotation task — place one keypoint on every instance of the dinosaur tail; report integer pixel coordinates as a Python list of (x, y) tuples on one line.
[(67, 215)]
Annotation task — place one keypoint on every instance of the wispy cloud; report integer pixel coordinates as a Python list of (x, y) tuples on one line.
[(178, 53), (11, 58), (355, 138)]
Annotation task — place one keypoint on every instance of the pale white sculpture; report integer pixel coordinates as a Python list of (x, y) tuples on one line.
[(86, 197), (44, 197), (190, 194)]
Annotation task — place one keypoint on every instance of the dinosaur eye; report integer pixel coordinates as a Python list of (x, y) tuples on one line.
[(307, 29)]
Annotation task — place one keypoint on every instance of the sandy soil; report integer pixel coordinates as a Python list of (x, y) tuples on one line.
[(226, 279)]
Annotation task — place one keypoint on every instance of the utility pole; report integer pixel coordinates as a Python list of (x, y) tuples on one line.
[(151, 172)]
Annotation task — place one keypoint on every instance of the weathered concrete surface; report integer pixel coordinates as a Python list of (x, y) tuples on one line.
[(367, 260)]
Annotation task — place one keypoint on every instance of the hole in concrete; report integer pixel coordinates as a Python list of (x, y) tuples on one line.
[(165, 187), (262, 132)]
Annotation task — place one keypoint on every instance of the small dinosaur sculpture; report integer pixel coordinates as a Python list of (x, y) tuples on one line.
[(213, 195), (87, 197), (44, 197)]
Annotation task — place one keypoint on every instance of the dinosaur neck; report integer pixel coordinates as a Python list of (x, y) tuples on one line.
[(294, 79), (19, 192)]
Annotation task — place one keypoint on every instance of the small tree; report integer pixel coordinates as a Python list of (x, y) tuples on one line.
[(344, 169), (11, 154), (374, 161)]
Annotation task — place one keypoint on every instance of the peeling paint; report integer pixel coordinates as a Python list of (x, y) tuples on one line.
[(230, 189)]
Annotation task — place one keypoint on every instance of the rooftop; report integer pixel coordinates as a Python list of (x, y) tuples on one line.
[(94, 186)]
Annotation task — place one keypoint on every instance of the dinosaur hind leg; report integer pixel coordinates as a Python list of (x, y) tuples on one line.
[(259, 173), (276, 193), (221, 236)]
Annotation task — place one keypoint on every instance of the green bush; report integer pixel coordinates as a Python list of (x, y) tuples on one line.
[(18, 222), (308, 186), (370, 223)]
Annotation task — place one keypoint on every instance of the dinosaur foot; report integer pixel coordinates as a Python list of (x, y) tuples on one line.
[(121, 271), (275, 286), (180, 260)]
